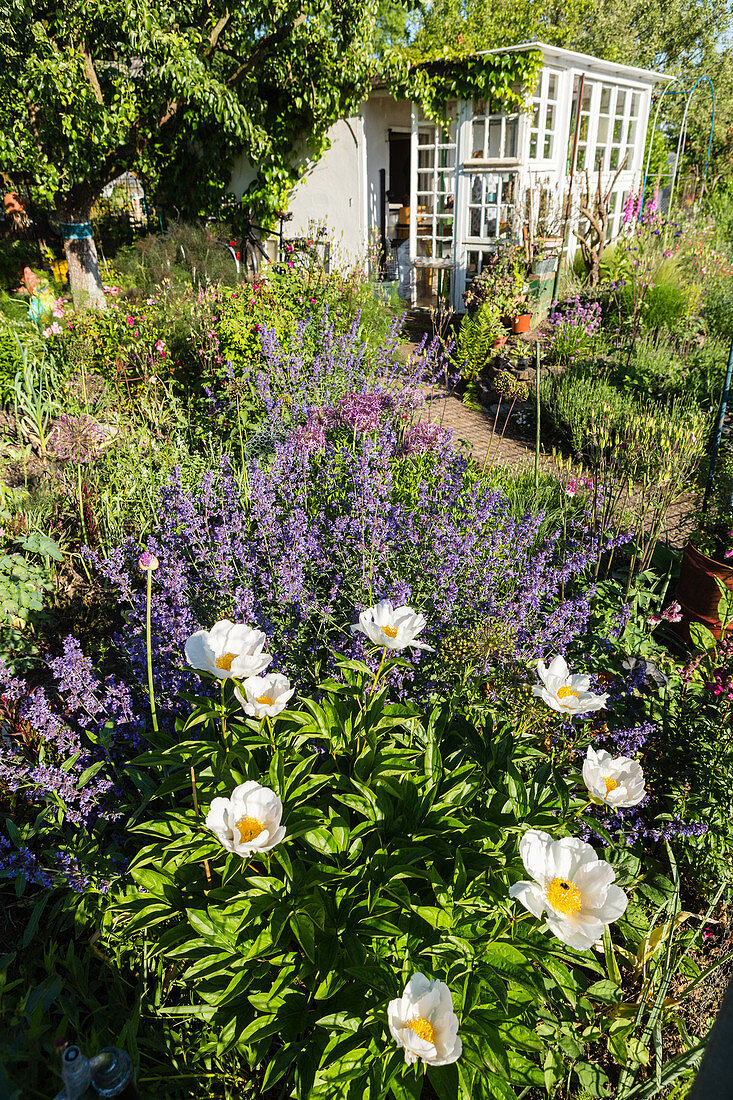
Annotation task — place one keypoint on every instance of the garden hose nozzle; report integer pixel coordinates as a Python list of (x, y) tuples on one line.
[(108, 1072)]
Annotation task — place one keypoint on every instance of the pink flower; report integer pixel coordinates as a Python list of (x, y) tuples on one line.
[(160, 348), (147, 561), (130, 321), (290, 263), (53, 330), (673, 614), (572, 487)]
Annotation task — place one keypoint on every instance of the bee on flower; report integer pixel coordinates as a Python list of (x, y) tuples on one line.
[(571, 885)]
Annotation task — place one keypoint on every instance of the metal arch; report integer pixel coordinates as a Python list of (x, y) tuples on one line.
[(689, 92)]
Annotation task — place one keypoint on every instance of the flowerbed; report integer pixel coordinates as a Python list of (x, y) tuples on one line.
[(364, 772)]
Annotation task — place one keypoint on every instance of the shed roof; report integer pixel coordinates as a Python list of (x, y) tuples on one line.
[(572, 59)]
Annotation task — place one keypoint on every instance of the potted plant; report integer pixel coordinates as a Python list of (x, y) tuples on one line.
[(707, 562)]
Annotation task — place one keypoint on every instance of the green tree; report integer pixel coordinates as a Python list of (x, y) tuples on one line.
[(92, 88)]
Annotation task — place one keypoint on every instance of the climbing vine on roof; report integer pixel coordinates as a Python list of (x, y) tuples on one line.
[(433, 79)]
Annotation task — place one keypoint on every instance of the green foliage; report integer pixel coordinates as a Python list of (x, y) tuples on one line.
[(26, 577), (401, 842), (718, 309), (89, 90), (476, 338)]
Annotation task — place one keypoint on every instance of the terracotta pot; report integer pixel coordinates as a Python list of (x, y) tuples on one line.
[(522, 322), (499, 342), (697, 592)]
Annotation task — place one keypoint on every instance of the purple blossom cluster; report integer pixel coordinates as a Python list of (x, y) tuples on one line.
[(76, 438), (63, 748), (423, 437), (322, 367), (315, 545)]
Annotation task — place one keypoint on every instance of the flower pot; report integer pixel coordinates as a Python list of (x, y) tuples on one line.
[(697, 592), (499, 342), (545, 266), (521, 323)]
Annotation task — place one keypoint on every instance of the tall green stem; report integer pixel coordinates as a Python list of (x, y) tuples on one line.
[(151, 689)]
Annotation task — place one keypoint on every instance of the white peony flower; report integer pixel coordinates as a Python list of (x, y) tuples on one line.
[(393, 627), (228, 649), (423, 1023), (248, 822), (265, 695), (563, 692), (571, 884), (615, 781)]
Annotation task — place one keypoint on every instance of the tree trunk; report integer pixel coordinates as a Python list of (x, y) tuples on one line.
[(81, 253)]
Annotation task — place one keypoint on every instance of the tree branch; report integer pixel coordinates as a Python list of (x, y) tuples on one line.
[(92, 76), (262, 47), (217, 30)]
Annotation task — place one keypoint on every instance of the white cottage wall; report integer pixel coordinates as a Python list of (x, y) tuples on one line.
[(331, 192)]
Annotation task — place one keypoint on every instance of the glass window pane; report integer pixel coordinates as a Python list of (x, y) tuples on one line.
[(547, 151), (602, 136), (580, 162), (552, 87), (510, 138), (479, 134), (617, 128), (605, 99), (494, 139), (583, 128), (533, 146), (536, 116), (635, 105), (614, 157), (587, 92), (550, 118), (600, 156), (620, 102), (631, 137)]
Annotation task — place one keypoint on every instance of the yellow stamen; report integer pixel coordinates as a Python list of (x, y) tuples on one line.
[(225, 662), (611, 784), (423, 1028), (390, 631), (564, 897), (249, 828), (266, 701), (565, 691)]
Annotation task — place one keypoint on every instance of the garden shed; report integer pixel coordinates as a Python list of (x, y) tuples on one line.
[(438, 199)]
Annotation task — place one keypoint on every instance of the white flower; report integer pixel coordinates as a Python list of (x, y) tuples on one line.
[(423, 1023), (265, 695), (616, 782), (248, 822), (393, 627), (228, 649), (571, 884), (565, 693)]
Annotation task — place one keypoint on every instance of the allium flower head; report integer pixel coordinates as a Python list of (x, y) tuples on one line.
[(423, 1023), (362, 411), (422, 437), (76, 438), (571, 884), (148, 561)]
